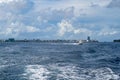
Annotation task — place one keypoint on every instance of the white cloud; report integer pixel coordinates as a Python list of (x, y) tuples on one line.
[(6, 1), (15, 6), (108, 32), (104, 33), (72, 18), (67, 27), (64, 26), (31, 29), (83, 30), (77, 31), (17, 28), (100, 3)]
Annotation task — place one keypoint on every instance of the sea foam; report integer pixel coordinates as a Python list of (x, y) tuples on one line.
[(68, 72)]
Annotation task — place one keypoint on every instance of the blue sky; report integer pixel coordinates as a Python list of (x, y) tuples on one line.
[(60, 19)]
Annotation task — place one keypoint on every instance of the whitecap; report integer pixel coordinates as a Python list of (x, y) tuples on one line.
[(68, 72), (36, 72)]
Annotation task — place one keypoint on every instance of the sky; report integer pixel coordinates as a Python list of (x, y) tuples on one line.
[(60, 19)]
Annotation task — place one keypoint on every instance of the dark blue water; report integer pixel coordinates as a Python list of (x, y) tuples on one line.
[(57, 61)]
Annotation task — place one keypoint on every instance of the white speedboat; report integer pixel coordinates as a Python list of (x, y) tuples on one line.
[(80, 43)]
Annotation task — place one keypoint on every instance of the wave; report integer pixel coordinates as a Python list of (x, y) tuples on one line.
[(68, 72)]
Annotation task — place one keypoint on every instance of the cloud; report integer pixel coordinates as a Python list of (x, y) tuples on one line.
[(64, 27), (104, 33), (6, 1), (114, 4), (67, 27), (16, 6), (14, 29), (100, 3), (59, 19), (108, 32)]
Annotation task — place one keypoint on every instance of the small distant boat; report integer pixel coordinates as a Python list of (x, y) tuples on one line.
[(80, 43)]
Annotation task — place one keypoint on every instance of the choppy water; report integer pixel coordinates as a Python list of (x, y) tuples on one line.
[(55, 61)]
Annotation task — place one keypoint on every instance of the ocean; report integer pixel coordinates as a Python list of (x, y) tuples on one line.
[(59, 61)]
